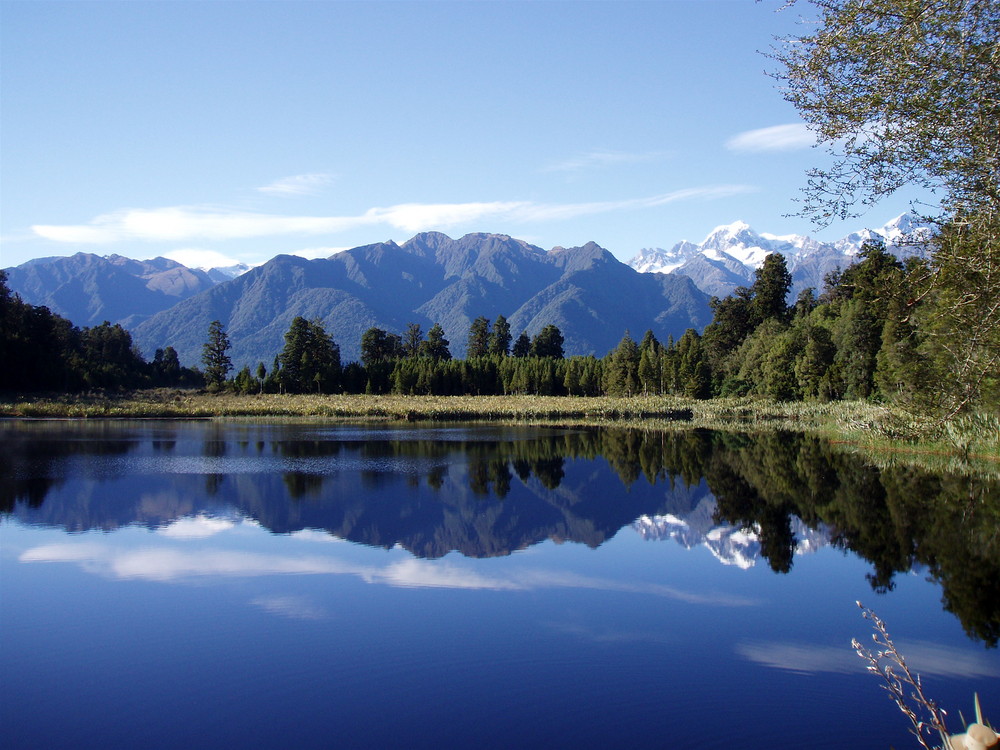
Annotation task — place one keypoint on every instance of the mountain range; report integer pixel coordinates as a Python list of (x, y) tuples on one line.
[(89, 289), (469, 496), (590, 295), (730, 545), (729, 255)]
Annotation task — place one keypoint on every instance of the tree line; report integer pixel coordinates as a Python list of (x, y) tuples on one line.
[(902, 93), (870, 334), (42, 351)]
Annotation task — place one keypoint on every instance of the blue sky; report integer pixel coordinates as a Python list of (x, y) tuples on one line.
[(213, 130)]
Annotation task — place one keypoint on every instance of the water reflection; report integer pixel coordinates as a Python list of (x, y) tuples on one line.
[(489, 491)]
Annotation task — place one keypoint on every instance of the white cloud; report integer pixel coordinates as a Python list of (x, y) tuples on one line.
[(181, 223), (315, 535), (596, 159), (549, 212), (167, 564), (292, 607), (418, 217), (185, 223), (301, 184), (776, 138), (924, 657), (422, 573), (195, 527), (609, 635), (194, 257)]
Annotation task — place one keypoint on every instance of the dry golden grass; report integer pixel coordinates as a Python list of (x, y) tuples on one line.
[(859, 422)]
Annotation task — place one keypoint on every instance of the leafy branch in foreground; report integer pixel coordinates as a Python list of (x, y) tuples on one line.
[(907, 93), (907, 692)]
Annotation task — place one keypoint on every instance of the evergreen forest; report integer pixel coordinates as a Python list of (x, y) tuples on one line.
[(870, 334)]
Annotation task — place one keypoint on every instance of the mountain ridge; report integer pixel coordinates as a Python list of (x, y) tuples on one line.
[(89, 289), (431, 278), (730, 253), (589, 294)]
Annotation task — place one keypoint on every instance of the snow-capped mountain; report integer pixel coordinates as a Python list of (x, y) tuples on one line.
[(657, 260), (728, 256), (225, 273), (730, 545)]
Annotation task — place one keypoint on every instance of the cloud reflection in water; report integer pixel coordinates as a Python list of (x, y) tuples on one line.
[(924, 657), (165, 564)]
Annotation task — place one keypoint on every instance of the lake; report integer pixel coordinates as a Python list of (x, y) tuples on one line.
[(310, 585)]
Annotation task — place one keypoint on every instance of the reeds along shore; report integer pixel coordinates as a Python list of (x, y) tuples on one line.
[(853, 421)]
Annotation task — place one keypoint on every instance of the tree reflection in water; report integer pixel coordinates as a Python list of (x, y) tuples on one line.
[(505, 491)]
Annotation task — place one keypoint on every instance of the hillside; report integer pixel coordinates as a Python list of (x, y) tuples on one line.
[(429, 279), (89, 289)]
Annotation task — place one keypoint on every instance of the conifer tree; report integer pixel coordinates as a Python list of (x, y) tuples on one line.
[(693, 375), (770, 288), (261, 376), (622, 374), (649, 363), (377, 345), (522, 347), (435, 345), (500, 337), (310, 359), (412, 340), (479, 338), (649, 371), (166, 366), (548, 343), (214, 356), (814, 362)]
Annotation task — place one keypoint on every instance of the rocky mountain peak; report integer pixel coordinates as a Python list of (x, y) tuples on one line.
[(730, 254)]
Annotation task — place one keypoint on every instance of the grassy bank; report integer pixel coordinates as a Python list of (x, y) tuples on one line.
[(859, 422)]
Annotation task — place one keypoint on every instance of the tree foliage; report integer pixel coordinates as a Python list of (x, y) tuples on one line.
[(479, 338), (500, 338), (310, 360), (901, 92), (412, 338), (378, 345), (45, 352), (435, 345), (215, 355), (522, 347), (907, 92), (548, 342)]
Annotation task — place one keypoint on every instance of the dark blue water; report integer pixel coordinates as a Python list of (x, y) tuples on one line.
[(306, 586)]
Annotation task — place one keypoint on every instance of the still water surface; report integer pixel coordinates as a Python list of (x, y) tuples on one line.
[(201, 584)]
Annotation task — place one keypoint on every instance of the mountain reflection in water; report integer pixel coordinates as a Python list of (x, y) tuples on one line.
[(489, 491)]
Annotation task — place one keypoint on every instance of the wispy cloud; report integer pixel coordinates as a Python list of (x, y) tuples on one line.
[(194, 257), (196, 527), (186, 223), (189, 223), (300, 184), (777, 138), (599, 159), (556, 211), (292, 607), (610, 635), (924, 656), (167, 564)]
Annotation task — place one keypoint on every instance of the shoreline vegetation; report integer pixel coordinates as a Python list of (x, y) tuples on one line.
[(878, 428)]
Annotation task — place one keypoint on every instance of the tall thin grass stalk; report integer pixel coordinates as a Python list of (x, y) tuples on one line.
[(902, 684)]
